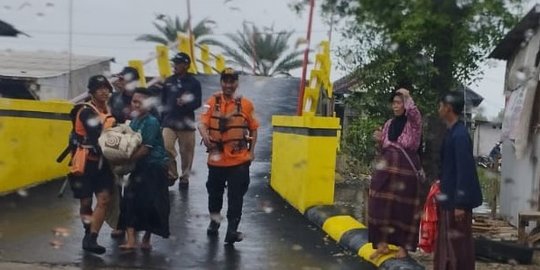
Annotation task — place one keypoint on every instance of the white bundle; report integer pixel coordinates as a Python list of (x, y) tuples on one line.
[(118, 143)]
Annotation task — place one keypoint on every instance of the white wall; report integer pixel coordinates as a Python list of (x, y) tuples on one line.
[(57, 87), (519, 181), (486, 135)]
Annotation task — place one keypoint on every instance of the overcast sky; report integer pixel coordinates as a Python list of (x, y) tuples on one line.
[(109, 27)]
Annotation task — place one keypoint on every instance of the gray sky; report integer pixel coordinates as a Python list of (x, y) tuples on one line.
[(109, 27)]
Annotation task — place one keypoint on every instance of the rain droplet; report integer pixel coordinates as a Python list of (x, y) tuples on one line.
[(134, 114), (460, 193), (381, 165), (297, 247), (60, 231), (40, 15), (150, 103), (441, 197), (215, 157), (22, 192), (128, 77), (7, 7), (528, 34), (93, 122), (393, 47), (87, 219), (130, 86), (520, 75), (107, 73), (49, 5), (186, 98), (56, 244)]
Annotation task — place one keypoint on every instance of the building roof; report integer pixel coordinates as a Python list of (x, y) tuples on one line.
[(43, 64), (513, 39)]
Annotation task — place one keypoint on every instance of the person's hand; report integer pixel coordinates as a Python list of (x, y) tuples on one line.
[(179, 101), (404, 92), (377, 134), (208, 143), (459, 214)]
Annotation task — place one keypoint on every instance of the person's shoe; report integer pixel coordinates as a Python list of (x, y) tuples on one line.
[(233, 237), (183, 184), (90, 244), (172, 181), (213, 228)]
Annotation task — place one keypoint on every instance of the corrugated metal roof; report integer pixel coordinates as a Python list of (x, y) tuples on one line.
[(516, 36), (43, 64)]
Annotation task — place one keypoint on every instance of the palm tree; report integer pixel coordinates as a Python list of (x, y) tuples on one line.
[(168, 31), (262, 53)]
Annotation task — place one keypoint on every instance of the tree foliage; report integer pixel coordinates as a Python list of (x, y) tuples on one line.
[(262, 53), (168, 29), (433, 45)]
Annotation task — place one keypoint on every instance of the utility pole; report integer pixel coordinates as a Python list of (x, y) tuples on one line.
[(305, 63)]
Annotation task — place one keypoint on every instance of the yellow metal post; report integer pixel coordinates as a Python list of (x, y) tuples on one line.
[(184, 46), (164, 65), (138, 65), (220, 62), (205, 59)]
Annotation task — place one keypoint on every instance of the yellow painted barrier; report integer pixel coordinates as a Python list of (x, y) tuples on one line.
[(164, 65), (184, 46), (367, 250), (220, 63), (336, 226), (205, 59), (32, 135), (138, 65), (303, 159)]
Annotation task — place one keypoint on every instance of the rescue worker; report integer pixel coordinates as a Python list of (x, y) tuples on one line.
[(97, 177), (181, 96), (229, 131)]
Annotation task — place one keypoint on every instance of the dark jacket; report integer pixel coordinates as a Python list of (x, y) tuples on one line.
[(180, 117), (120, 106), (460, 187)]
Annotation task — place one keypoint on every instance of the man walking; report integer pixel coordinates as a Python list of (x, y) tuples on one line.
[(460, 190), (181, 96), (229, 131)]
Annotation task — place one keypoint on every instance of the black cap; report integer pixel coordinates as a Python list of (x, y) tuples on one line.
[(97, 81), (181, 58), (229, 73), (130, 72)]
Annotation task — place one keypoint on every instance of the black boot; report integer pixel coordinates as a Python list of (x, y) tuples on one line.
[(213, 228), (233, 235), (90, 244)]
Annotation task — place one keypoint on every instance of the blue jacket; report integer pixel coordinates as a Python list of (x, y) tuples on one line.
[(460, 187)]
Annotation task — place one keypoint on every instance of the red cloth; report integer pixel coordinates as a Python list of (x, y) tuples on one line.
[(428, 223)]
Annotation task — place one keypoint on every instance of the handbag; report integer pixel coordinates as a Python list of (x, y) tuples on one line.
[(420, 174), (78, 162)]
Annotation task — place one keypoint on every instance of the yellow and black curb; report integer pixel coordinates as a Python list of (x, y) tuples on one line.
[(338, 223)]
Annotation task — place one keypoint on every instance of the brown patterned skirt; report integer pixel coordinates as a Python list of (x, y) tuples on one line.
[(454, 245), (394, 203)]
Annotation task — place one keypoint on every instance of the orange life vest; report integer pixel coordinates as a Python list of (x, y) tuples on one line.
[(229, 129), (106, 119)]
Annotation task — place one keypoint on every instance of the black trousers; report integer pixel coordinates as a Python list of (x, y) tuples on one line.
[(237, 180)]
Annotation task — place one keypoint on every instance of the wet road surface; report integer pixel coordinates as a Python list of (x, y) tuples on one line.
[(277, 236)]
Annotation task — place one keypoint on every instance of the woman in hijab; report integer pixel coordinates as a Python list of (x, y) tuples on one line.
[(394, 201)]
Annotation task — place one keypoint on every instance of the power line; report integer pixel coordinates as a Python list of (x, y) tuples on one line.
[(123, 34)]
